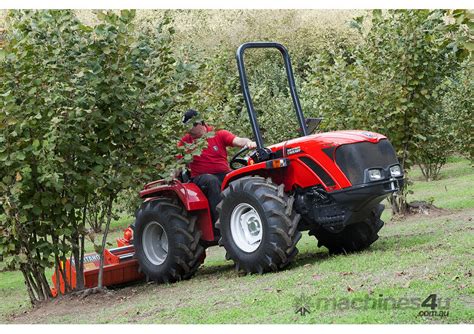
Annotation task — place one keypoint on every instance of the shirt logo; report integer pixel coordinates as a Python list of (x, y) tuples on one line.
[(216, 148)]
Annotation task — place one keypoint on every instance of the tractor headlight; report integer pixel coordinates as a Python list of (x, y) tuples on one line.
[(395, 171), (375, 174)]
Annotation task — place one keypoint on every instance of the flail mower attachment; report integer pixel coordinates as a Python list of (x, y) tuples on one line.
[(119, 267)]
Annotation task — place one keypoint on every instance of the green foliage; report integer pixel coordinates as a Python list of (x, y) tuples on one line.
[(458, 102), (86, 112), (393, 83), (411, 53)]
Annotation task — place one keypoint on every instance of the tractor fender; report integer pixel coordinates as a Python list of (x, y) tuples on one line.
[(255, 169), (191, 197)]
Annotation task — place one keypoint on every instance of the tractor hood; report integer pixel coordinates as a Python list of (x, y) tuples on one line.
[(335, 138), (336, 160)]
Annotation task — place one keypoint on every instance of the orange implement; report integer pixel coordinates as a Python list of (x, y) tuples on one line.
[(119, 267)]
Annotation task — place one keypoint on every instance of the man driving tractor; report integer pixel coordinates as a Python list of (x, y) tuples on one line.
[(330, 184), (210, 167)]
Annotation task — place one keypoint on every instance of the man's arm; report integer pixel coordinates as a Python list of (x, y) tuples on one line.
[(241, 142)]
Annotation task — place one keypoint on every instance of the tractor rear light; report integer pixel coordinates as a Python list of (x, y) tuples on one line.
[(375, 174), (395, 171), (277, 163)]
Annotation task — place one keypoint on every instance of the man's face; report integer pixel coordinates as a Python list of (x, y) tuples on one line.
[(198, 129)]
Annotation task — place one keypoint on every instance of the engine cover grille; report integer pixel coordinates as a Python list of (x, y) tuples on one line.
[(353, 159)]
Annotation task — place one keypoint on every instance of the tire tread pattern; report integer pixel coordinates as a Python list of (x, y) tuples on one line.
[(355, 237), (283, 235), (183, 236)]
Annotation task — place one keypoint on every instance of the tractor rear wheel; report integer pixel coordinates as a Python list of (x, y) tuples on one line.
[(257, 224), (353, 238), (166, 241)]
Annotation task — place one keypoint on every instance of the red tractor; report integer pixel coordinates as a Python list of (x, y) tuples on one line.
[(330, 184)]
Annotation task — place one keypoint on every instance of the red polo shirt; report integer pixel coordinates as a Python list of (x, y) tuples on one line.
[(213, 159)]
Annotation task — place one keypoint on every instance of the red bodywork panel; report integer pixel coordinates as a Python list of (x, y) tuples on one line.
[(190, 195), (298, 174)]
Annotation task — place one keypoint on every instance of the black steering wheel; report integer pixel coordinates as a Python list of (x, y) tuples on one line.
[(236, 160)]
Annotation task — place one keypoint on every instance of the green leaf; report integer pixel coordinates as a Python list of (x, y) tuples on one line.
[(35, 144), (421, 137), (37, 210), (469, 46), (20, 155), (377, 12), (6, 93), (98, 168), (67, 232)]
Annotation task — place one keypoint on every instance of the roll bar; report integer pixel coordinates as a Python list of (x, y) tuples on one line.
[(246, 91)]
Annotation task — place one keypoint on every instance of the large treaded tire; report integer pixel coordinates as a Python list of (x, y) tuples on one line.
[(277, 247), (354, 238), (185, 254)]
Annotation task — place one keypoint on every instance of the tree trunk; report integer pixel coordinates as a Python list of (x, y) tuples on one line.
[(29, 288), (36, 283), (398, 202), (79, 250), (80, 277), (104, 240)]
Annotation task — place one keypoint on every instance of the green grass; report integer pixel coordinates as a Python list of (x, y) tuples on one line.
[(12, 293), (413, 258), (453, 190)]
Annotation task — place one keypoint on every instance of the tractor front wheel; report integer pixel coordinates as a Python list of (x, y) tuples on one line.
[(355, 237), (166, 241), (258, 225)]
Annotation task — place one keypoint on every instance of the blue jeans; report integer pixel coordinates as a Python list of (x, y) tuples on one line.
[(210, 184)]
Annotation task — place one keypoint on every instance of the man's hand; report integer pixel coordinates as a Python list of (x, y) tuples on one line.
[(241, 142), (251, 144)]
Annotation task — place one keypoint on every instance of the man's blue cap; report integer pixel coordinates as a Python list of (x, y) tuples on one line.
[(188, 115)]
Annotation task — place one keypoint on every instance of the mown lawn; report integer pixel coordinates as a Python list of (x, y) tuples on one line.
[(414, 258)]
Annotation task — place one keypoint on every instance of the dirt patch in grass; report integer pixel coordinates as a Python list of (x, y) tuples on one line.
[(425, 208), (65, 305)]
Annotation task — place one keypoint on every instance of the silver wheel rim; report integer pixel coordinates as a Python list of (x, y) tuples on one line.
[(246, 227), (155, 243)]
